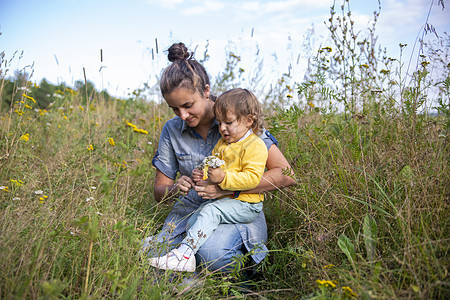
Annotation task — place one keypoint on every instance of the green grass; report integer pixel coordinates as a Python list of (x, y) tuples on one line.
[(369, 211), (368, 217)]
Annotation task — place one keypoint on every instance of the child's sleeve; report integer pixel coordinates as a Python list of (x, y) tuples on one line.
[(254, 158)]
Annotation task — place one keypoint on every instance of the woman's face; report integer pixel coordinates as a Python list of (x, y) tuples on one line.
[(190, 107)]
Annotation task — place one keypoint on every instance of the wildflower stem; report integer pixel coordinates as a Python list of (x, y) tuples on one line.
[(88, 266)]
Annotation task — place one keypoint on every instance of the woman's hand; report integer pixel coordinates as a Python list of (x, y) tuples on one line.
[(184, 184), (207, 190)]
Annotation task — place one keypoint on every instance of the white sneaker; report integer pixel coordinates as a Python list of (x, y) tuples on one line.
[(174, 260)]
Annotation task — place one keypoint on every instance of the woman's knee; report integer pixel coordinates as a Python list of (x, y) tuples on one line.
[(218, 251)]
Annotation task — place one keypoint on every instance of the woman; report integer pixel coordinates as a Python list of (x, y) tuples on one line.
[(185, 140)]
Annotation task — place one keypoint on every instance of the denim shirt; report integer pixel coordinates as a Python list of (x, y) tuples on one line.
[(180, 150)]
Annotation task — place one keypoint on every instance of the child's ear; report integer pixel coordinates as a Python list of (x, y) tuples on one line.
[(249, 120)]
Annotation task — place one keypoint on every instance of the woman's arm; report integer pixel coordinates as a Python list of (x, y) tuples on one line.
[(165, 187), (279, 173)]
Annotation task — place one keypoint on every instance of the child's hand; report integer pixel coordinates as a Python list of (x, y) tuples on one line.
[(197, 175), (215, 175)]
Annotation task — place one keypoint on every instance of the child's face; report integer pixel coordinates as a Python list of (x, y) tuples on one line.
[(233, 129)]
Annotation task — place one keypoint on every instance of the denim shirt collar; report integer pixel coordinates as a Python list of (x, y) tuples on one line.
[(185, 126)]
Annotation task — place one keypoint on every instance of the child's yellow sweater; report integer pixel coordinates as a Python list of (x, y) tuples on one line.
[(245, 162)]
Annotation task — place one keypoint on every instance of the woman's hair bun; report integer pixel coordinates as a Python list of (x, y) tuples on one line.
[(178, 51)]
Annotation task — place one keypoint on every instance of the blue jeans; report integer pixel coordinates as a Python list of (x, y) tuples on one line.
[(226, 242), (216, 253), (209, 215)]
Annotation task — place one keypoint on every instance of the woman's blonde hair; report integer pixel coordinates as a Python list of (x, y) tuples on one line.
[(243, 103)]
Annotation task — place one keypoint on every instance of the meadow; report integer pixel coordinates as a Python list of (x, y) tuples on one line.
[(367, 219)]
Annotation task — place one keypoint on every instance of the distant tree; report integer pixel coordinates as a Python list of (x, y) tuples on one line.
[(21, 78), (104, 95), (7, 94), (81, 88), (44, 93)]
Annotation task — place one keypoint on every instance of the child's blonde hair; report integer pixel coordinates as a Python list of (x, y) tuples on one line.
[(242, 103)]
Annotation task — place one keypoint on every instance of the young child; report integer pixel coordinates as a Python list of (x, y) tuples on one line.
[(239, 115)]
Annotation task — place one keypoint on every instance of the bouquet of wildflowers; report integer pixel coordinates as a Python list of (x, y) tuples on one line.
[(211, 161)]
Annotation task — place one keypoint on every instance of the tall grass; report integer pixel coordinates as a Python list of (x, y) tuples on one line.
[(368, 217)]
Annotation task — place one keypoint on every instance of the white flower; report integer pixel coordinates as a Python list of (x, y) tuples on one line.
[(212, 162), (38, 192), (72, 233), (16, 198), (48, 124), (99, 213), (93, 187), (149, 143), (89, 199)]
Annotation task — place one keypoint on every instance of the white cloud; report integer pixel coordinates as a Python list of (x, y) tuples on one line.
[(169, 4), (203, 8), (251, 6), (291, 5), (288, 6)]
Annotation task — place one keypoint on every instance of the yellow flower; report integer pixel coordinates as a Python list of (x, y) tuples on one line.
[(25, 137), (27, 106), (90, 147), (425, 63), (19, 112), (140, 130), (289, 96), (365, 66), (42, 112), (28, 97), (328, 266), (17, 182), (348, 291), (4, 188), (41, 200), (326, 283), (131, 125), (80, 107), (64, 117), (311, 104), (328, 49), (111, 142)]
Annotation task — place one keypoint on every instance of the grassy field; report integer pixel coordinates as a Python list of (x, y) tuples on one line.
[(368, 217)]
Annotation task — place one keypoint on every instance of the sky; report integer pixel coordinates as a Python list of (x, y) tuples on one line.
[(56, 39)]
